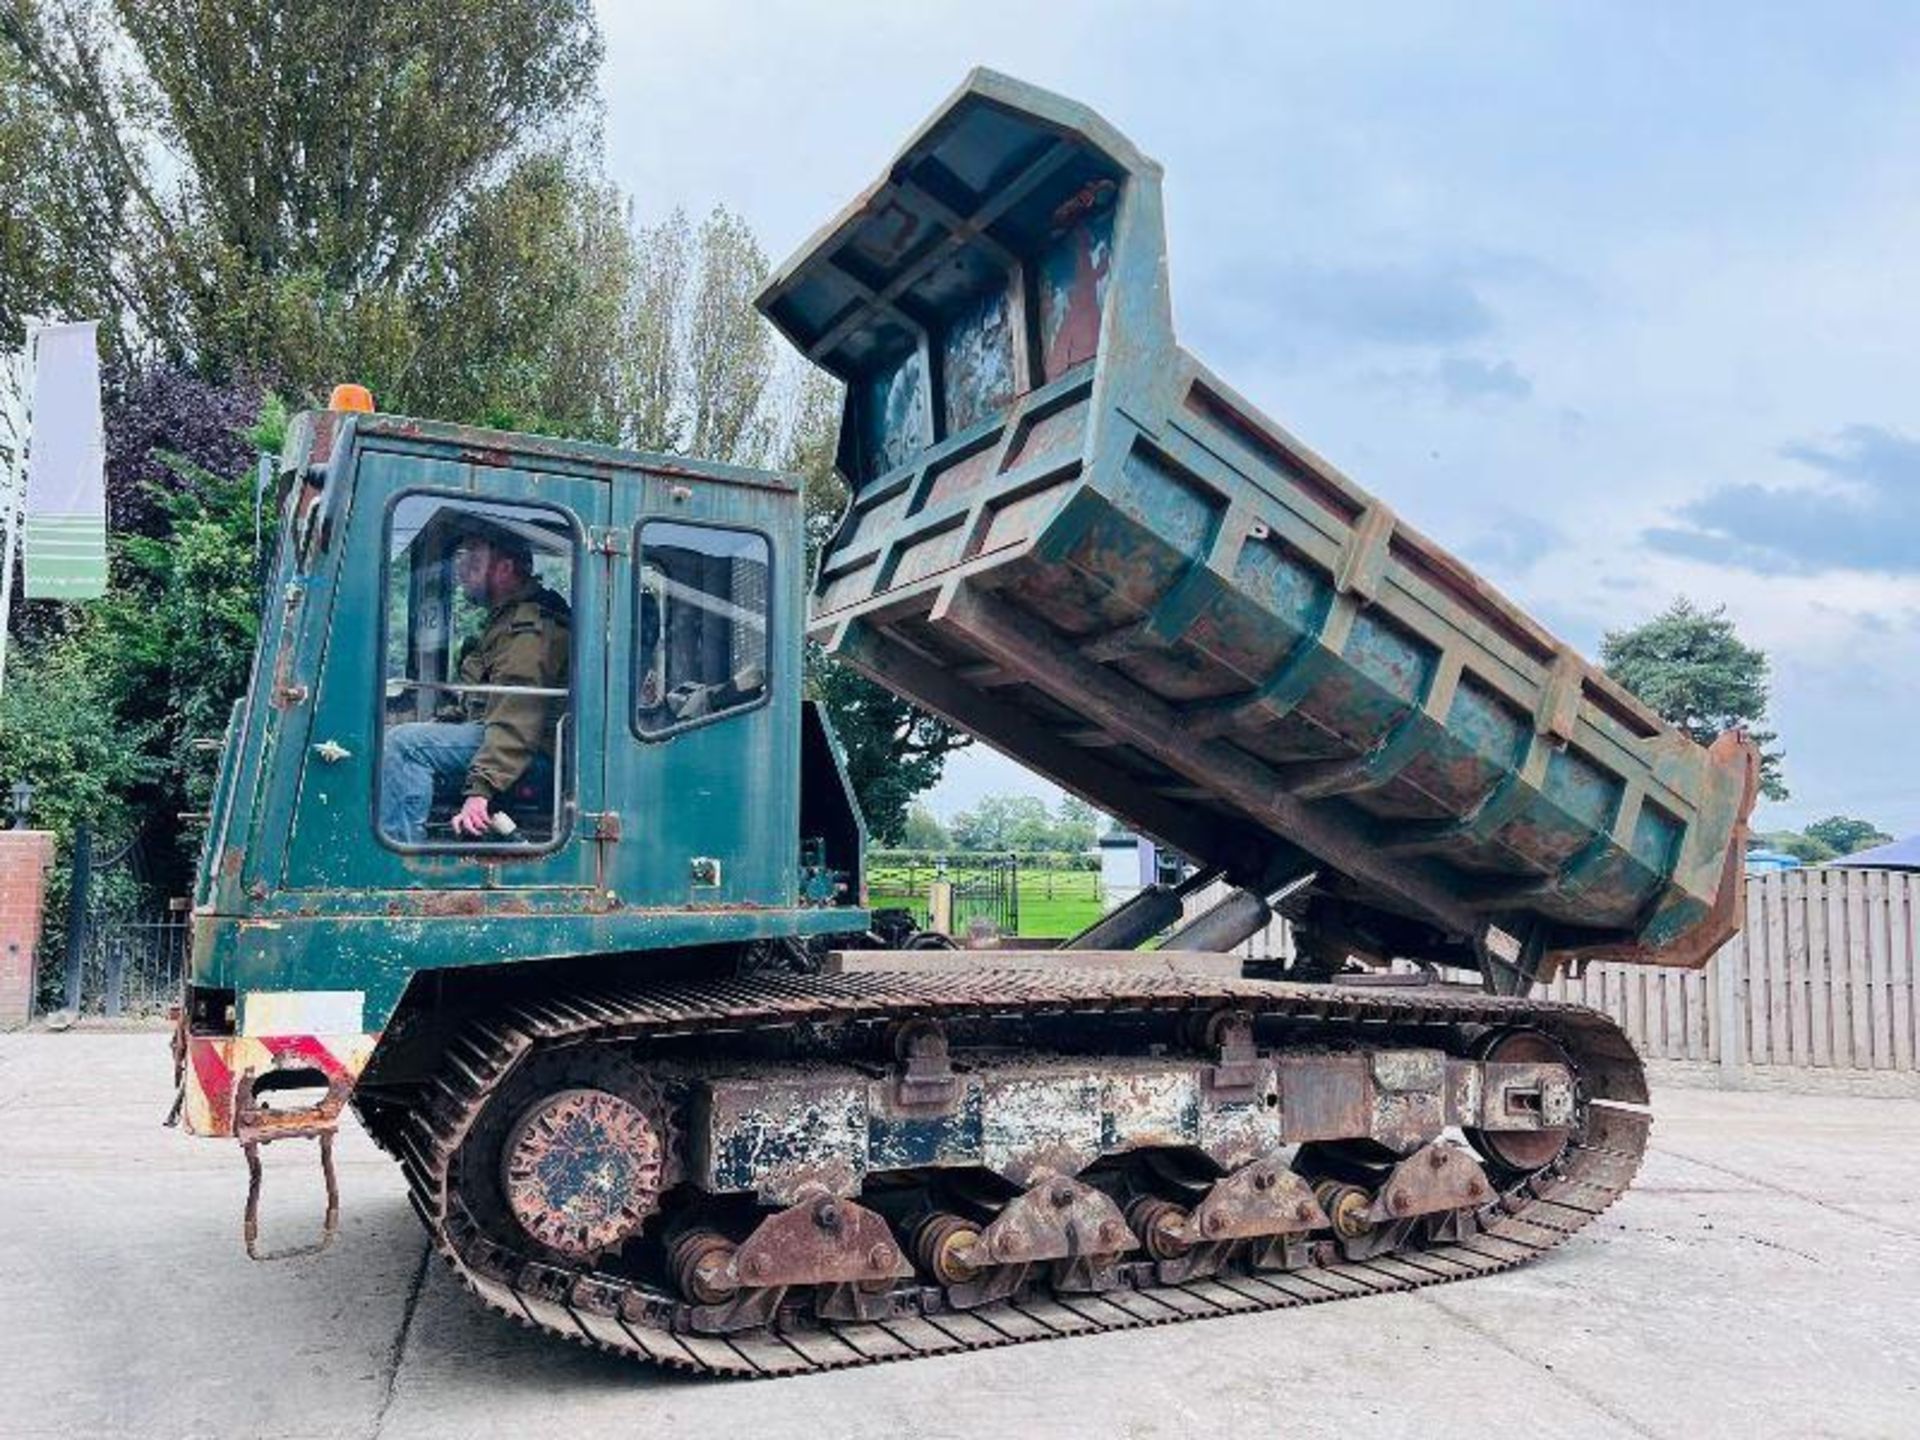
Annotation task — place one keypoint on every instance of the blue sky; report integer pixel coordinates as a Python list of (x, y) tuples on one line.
[(1617, 301)]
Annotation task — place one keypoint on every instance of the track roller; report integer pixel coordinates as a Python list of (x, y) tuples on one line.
[(944, 1247), (1347, 1207), (1160, 1226)]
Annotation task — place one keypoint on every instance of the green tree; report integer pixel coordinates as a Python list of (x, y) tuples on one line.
[(1076, 826), (698, 363), (1002, 822), (895, 751), (545, 308), (728, 347), (1697, 674), (923, 830), (361, 127), (1843, 835), (61, 732), (522, 309), (313, 153), (175, 636), (1803, 848), (59, 213)]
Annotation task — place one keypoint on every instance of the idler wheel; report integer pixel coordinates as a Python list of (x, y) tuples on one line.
[(1520, 1151), (1346, 1206), (581, 1171), (942, 1245)]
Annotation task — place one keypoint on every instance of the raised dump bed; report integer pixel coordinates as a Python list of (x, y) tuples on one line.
[(1071, 538)]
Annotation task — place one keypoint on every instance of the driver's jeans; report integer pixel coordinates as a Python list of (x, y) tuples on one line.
[(413, 760)]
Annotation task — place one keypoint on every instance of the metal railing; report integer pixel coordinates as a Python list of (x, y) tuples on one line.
[(133, 965), (121, 952)]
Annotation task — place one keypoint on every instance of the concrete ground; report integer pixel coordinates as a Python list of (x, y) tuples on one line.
[(1763, 1278)]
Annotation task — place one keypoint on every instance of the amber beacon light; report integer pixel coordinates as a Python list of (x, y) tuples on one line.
[(355, 398)]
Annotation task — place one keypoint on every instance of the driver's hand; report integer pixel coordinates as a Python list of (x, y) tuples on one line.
[(473, 817)]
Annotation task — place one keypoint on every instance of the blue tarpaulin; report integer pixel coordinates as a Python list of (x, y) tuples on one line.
[(1894, 855)]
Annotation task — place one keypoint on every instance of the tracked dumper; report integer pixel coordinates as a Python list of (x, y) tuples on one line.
[(655, 1083)]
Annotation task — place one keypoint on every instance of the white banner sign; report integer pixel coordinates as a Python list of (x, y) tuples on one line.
[(66, 514)]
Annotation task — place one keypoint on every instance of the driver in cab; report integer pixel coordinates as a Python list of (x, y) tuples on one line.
[(486, 740)]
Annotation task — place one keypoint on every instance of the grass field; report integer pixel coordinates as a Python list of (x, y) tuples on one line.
[(1054, 903), (1059, 903)]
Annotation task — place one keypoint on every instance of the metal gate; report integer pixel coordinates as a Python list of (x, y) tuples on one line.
[(988, 891), (133, 964), (986, 888), (123, 953)]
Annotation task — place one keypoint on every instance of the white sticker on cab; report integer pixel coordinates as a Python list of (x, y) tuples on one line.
[(302, 1012)]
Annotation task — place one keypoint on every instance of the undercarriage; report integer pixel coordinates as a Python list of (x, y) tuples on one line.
[(774, 1174)]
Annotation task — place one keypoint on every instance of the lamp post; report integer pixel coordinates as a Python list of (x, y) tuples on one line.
[(22, 802)]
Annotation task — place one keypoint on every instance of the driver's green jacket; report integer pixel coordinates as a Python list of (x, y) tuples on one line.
[(527, 641)]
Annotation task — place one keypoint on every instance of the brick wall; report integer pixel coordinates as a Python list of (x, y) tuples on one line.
[(25, 856)]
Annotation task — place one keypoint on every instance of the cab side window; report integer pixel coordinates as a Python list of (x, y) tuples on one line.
[(478, 666), (701, 615)]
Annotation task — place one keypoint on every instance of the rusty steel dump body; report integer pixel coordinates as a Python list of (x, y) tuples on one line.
[(1072, 539)]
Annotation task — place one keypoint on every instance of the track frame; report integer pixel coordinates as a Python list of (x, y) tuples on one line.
[(1528, 1217)]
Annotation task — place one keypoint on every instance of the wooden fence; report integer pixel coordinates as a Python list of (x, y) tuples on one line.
[(1825, 975)]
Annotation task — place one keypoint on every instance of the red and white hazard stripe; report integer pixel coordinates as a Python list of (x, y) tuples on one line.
[(215, 1065)]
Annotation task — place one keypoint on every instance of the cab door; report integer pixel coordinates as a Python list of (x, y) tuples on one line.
[(703, 760), (396, 627)]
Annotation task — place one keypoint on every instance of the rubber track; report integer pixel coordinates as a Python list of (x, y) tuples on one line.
[(616, 1314)]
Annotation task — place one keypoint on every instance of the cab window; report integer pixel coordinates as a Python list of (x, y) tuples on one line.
[(478, 666), (702, 618)]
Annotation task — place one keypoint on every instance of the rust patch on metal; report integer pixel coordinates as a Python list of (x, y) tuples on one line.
[(1054, 1220), (781, 1135), (1161, 1226), (1238, 1073), (1436, 1178), (822, 1240), (1038, 1122), (924, 1079), (255, 1124), (1733, 752), (449, 902), (1264, 1198), (1075, 1231), (1528, 1105), (1409, 1097), (581, 1171), (1324, 1097)]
